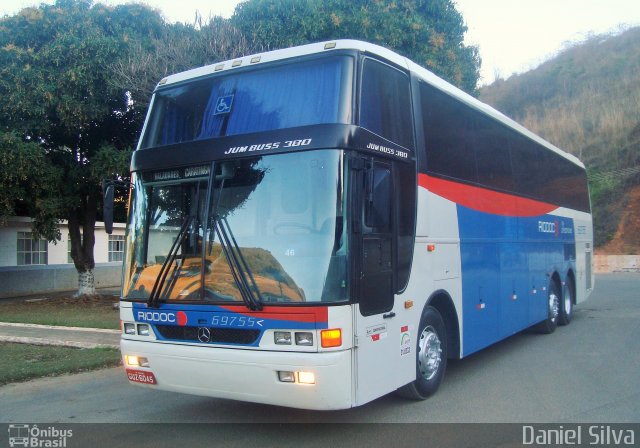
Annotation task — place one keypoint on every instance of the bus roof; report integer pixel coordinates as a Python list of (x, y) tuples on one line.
[(322, 47)]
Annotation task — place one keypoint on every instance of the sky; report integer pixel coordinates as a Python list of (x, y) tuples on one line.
[(513, 35)]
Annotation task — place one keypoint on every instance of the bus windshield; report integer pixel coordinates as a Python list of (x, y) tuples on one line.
[(313, 92), (283, 214)]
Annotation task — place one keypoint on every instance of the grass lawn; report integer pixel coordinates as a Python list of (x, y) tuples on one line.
[(21, 362), (92, 312)]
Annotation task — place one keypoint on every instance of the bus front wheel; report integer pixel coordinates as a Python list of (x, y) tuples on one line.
[(431, 356)]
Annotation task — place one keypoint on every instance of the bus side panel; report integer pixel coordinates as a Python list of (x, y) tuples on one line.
[(507, 262)]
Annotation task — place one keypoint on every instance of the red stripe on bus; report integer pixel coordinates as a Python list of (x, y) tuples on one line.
[(292, 313), (484, 200)]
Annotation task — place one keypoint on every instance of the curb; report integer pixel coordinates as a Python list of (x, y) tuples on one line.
[(57, 342), (57, 327)]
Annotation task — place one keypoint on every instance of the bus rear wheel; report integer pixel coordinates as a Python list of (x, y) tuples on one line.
[(550, 324), (431, 357), (566, 305)]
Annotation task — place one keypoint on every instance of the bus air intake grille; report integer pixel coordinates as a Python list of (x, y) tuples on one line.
[(216, 335)]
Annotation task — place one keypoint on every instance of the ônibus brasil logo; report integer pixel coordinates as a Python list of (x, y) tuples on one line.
[(33, 436)]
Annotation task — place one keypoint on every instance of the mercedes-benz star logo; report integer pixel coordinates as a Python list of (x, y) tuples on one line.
[(204, 334)]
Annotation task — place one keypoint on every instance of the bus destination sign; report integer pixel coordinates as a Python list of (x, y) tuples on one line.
[(184, 173)]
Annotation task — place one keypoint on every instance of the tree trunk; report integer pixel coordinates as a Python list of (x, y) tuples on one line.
[(82, 243), (86, 284)]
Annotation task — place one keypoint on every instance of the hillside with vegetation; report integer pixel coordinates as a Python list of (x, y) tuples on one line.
[(586, 100)]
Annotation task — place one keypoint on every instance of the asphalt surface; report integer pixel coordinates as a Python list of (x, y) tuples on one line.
[(586, 372)]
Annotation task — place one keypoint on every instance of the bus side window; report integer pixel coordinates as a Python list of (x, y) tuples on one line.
[(385, 103), (378, 202), (448, 129), (493, 158)]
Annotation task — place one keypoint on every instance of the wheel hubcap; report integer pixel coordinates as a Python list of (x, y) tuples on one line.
[(567, 304), (554, 305), (430, 355)]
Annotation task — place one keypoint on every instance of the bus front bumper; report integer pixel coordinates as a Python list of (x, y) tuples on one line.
[(247, 375)]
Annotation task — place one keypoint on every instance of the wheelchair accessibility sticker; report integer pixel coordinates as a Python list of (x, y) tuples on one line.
[(223, 105)]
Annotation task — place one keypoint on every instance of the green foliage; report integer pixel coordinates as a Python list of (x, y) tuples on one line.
[(430, 32), (177, 47), (55, 95), (25, 174)]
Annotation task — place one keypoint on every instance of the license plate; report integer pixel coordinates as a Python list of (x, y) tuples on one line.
[(140, 376)]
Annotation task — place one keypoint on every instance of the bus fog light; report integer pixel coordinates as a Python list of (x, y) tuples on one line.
[(129, 328), (143, 329), (282, 337), (306, 378), (286, 377), (304, 338), (136, 361)]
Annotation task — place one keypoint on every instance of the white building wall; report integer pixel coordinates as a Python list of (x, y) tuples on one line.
[(57, 252)]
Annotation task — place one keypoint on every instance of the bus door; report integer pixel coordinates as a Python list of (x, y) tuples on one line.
[(375, 326)]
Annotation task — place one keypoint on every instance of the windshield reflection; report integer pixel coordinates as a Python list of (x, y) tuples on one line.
[(284, 215)]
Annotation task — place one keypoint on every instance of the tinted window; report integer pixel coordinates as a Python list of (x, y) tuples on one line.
[(305, 93), (465, 144), (447, 128), (546, 176), (385, 103), (493, 159)]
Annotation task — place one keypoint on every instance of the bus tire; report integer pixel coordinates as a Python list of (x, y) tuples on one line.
[(566, 304), (431, 356), (550, 324)]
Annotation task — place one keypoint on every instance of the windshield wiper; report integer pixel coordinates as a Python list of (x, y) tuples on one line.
[(154, 297), (239, 268)]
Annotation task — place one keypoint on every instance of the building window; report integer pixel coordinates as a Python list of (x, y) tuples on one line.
[(31, 250), (116, 247)]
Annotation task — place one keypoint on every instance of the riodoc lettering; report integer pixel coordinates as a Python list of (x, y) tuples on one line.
[(155, 316), (546, 227)]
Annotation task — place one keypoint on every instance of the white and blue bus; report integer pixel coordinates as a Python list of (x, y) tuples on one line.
[(319, 226)]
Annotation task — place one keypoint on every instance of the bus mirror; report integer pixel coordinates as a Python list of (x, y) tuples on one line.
[(107, 211)]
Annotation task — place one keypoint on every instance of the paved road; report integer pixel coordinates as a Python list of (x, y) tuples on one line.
[(586, 372)]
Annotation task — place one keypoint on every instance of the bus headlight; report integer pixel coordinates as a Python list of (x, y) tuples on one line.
[(143, 329), (282, 337), (304, 338), (129, 328)]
